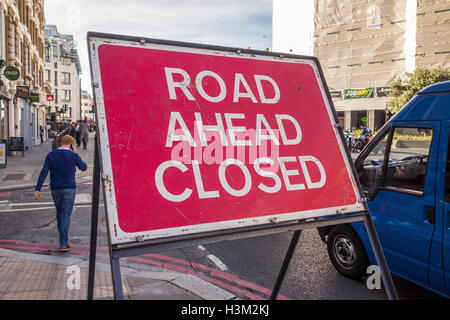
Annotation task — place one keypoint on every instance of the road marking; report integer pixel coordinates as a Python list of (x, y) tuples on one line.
[(45, 208), (214, 259), (29, 204), (217, 262), (80, 200), (83, 198)]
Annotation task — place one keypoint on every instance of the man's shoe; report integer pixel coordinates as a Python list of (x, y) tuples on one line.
[(65, 248)]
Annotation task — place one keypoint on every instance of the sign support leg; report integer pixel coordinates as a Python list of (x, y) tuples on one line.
[(94, 221), (116, 277), (379, 256), (286, 262)]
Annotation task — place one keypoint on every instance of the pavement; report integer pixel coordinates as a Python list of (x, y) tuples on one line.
[(28, 276), (22, 172), (55, 275)]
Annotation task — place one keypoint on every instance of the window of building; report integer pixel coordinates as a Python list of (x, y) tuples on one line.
[(47, 52), (66, 61), (13, 39), (19, 53), (66, 95), (47, 75), (357, 119), (55, 52), (56, 78), (65, 78), (27, 60)]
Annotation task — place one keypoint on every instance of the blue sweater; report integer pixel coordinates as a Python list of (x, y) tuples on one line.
[(62, 164)]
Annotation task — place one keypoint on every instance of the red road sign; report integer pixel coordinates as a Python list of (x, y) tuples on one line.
[(197, 139), (50, 97)]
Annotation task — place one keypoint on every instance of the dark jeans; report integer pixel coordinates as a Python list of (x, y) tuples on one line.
[(64, 200)]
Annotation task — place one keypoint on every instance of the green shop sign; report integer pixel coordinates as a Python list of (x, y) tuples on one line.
[(358, 93), (11, 73), (34, 97)]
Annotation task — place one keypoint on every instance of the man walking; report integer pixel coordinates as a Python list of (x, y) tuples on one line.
[(41, 134), (49, 128), (62, 164), (84, 133), (77, 133)]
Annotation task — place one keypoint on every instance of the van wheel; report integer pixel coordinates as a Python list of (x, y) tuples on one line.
[(346, 252)]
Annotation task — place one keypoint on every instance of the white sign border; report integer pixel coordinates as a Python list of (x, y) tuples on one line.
[(117, 235)]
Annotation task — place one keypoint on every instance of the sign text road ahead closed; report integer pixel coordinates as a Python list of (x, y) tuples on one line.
[(196, 139)]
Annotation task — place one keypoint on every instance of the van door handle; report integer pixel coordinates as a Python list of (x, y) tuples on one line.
[(431, 214)]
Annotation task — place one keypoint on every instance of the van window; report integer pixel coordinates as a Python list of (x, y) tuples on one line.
[(371, 172), (408, 159)]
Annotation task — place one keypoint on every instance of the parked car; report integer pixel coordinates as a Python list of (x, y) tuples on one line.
[(405, 174)]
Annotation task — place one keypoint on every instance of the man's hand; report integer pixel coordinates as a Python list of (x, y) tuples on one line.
[(74, 148), (37, 195)]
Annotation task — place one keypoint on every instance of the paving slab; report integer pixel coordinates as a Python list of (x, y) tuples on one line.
[(27, 276)]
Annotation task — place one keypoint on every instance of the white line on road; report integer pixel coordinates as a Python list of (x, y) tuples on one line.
[(214, 259), (217, 262), (45, 208), (82, 198), (29, 204)]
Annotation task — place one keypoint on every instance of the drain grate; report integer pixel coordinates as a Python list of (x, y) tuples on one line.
[(13, 176)]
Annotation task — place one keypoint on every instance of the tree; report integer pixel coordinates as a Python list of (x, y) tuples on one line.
[(406, 86)]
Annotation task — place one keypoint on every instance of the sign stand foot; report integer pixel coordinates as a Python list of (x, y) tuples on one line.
[(286, 262), (116, 278)]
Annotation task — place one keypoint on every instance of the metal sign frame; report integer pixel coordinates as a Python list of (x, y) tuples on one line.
[(120, 235), (118, 249)]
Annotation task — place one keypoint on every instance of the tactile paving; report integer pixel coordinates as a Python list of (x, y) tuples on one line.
[(35, 280)]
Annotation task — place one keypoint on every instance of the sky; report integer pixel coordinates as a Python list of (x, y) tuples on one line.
[(234, 23)]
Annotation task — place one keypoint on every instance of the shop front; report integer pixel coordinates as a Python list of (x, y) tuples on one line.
[(357, 108)]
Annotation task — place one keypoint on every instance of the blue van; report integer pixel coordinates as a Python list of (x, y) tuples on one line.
[(405, 174)]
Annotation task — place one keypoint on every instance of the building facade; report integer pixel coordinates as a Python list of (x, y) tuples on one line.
[(62, 77), (22, 46), (86, 105), (364, 44)]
